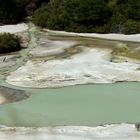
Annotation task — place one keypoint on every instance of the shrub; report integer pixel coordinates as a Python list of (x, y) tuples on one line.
[(131, 27), (9, 43), (73, 15), (101, 16)]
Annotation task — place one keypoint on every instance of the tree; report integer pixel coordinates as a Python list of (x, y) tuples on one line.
[(14, 11), (131, 27), (32, 5), (73, 14), (11, 11)]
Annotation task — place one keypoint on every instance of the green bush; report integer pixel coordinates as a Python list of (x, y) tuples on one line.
[(117, 16), (73, 15), (116, 23), (101, 16), (131, 27), (129, 8), (9, 43)]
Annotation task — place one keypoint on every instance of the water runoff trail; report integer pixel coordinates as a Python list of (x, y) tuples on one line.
[(23, 56)]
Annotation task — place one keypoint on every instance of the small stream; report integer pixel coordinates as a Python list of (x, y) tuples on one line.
[(23, 53)]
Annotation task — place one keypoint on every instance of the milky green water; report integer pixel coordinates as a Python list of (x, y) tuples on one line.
[(87, 105)]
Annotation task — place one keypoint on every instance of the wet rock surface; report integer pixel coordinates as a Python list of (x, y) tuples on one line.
[(8, 95), (109, 132), (58, 61)]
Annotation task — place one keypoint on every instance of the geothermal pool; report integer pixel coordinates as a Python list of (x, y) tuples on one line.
[(89, 98), (83, 105), (72, 109)]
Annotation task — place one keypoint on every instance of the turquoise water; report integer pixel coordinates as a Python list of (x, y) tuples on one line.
[(87, 105)]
